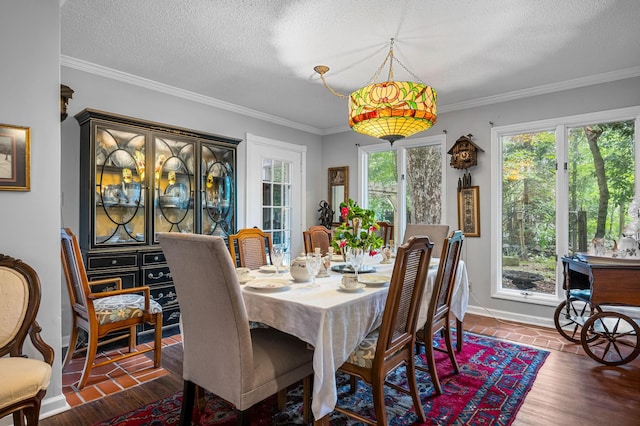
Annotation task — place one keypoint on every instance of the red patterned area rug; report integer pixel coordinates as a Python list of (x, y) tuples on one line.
[(495, 377)]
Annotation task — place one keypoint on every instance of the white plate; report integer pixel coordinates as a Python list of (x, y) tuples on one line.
[(245, 278), (359, 287), (273, 284), (272, 269), (374, 280)]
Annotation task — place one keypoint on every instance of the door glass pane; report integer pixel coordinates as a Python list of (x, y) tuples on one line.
[(601, 183), (529, 212), (382, 185), (424, 184), (276, 202)]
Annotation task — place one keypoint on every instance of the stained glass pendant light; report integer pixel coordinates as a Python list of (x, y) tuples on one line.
[(390, 110)]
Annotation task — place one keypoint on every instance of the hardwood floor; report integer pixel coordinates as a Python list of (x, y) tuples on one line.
[(570, 389)]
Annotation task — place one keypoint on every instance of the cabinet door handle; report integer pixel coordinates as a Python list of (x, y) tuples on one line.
[(156, 258), (114, 262), (153, 277)]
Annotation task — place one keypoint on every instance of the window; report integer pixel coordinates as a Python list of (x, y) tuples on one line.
[(560, 184), (404, 183)]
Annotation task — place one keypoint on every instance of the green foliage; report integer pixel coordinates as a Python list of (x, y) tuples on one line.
[(358, 228)]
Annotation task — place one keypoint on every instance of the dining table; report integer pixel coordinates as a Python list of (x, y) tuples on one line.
[(333, 319)]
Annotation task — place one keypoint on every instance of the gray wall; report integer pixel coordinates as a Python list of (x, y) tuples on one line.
[(30, 88), (340, 150)]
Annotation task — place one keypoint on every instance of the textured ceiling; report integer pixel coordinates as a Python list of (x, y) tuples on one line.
[(259, 55)]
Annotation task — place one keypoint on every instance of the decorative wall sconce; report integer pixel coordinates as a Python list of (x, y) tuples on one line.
[(66, 93)]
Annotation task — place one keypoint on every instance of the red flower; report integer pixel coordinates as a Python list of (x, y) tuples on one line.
[(373, 253), (344, 211), (372, 228), (343, 243)]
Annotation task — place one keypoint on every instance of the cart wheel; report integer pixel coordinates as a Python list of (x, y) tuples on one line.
[(569, 322), (611, 338)]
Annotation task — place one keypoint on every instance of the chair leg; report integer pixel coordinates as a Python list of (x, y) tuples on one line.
[(33, 414), (377, 385), (188, 399), (432, 367), (201, 400), (157, 348), (459, 335), (282, 399), (92, 349), (449, 343), (73, 341), (18, 418), (132, 338), (413, 389), (306, 399), (353, 384), (244, 417)]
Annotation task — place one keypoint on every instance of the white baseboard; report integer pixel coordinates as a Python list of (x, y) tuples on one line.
[(512, 316)]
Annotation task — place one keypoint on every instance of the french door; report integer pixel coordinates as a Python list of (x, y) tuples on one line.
[(275, 191)]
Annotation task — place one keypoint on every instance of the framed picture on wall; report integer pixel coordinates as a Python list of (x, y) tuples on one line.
[(14, 158), (469, 211)]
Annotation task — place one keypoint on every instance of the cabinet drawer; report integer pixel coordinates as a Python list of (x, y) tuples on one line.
[(153, 258), (129, 279), (154, 276), (112, 261), (165, 295)]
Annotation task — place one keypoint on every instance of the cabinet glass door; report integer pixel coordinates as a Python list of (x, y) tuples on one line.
[(173, 185), (218, 187), (119, 180)]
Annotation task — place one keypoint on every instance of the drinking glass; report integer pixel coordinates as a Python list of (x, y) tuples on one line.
[(355, 256), (276, 258), (313, 266)]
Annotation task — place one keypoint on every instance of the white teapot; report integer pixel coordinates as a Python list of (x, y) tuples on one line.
[(299, 270)]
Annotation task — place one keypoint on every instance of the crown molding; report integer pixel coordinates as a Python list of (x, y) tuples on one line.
[(110, 73), (99, 70), (543, 90)]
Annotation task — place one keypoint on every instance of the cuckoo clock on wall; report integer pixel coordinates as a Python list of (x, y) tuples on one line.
[(464, 153)]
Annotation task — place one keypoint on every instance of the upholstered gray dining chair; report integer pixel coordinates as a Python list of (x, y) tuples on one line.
[(221, 353), (436, 233), (392, 344), (439, 313)]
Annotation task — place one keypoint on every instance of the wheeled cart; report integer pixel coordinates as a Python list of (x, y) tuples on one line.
[(601, 308)]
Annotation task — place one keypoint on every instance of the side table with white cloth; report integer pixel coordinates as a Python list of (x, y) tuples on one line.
[(332, 320)]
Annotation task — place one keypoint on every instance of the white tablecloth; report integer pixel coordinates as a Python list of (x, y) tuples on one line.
[(332, 321)]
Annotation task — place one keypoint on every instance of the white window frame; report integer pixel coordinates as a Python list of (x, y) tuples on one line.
[(401, 147), (560, 125)]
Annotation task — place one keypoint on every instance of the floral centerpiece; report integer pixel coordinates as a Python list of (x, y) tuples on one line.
[(357, 230)]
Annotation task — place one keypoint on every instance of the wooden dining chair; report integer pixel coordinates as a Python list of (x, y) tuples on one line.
[(438, 316), (251, 248), (23, 380), (221, 353), (317, 236), (385, 232), (102, 313), (392, 344)]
